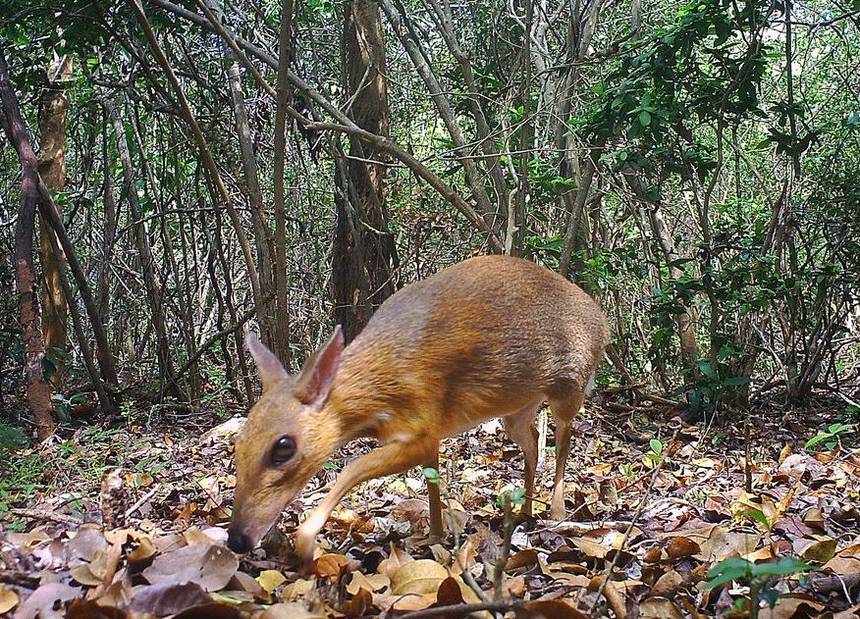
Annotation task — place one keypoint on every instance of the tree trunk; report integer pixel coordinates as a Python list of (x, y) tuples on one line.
[(362, 227), (280, 342), (516, 217), (52, 168), (38, 390), (684, 320), (255, 195), (108, 238)]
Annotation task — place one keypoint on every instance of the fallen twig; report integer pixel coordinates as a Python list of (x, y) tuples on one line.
[(36, 514), (142, 500), (823, 583), (461, 610)]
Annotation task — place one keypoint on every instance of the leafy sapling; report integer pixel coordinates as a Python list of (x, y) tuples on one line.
[(653, 457), (761, 578), (831, 437)]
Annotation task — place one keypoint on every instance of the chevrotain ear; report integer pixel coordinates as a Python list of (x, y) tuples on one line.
[(268, 365), (318, 374)]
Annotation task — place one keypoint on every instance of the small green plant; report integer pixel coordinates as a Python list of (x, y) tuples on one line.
[(761, 578), (628, 471), (758, 516), (653, 457), (697, 496), (517, 496), (830, 437), (431, 475)]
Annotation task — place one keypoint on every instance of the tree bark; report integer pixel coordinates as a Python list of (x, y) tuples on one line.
[(280, 343), (52, 169), (38, 390), (361, 234), (255, 195), (684, 320), (516, 217)]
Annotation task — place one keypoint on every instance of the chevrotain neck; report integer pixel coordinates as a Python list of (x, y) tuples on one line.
[(367, 383)]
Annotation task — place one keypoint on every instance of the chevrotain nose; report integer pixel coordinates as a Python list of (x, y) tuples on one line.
[(237, 541)]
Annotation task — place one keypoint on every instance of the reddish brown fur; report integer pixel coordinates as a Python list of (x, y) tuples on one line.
[(488, 337)]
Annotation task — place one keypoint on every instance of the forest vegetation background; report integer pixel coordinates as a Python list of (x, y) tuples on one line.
[(195, 168)]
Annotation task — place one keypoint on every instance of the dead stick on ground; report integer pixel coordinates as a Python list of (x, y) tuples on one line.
[(142, 500), (821, 583), (461, 610), (669, 452), (36, 514)]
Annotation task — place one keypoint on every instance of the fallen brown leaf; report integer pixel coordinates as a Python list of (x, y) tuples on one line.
[(168, 598), (682, 547), (44, 598), (421, 576), (8, 599), (209, 566)]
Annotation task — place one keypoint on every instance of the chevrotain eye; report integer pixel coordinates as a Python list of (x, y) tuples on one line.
[(283, 450)]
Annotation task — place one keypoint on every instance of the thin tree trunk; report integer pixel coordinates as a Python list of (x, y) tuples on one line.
[(38, 390), (574, 215), (281, 341), (684, 320), (516, 217), (52, 169), (363, 58), (255, 195), (108, 236)]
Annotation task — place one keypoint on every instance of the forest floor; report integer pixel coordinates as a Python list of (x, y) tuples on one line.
[(130, 522)]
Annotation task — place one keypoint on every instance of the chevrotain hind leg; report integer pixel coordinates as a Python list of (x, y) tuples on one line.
[(520, 428), (435, 499), (564, 412), (391, 458)]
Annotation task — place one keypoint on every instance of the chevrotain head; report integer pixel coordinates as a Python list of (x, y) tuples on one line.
[(285, 440)]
